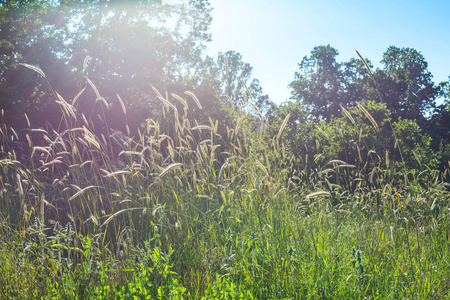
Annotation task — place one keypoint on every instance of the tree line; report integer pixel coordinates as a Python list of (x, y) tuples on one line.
[(129, 51)]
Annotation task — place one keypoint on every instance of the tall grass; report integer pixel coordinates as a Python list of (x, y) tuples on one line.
[(181, 211)]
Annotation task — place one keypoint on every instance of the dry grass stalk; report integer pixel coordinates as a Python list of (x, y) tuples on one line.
[(365, 62), (167, 169), (78, 96), (97, 94), (194, 98), (81, 191), (28, 120), (124, 109), (248, 91), (283, 125), (181, 100), (369, 116), (319, 193), (34, 68), (262, 167), (69, 109), (86, 59), (225, 60), (348, 115)]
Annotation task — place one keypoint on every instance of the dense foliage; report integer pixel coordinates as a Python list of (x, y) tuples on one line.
[(132, 166)]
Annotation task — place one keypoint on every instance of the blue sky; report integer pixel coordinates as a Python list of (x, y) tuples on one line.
[(274, 35)]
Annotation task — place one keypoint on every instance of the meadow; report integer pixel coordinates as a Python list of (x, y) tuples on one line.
[(187, 210)]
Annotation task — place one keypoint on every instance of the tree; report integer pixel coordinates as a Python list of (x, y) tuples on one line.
[(133, 46), (438, 126), (318, 86), (236, 86), (405, 84), (399, 96), (234, 77), (37, 40)]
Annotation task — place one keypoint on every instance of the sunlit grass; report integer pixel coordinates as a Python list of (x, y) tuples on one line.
[(198, 215)]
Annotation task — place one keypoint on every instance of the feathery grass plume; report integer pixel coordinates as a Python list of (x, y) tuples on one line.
[(258, 112), (167, 169), (118, 213), (248, 91), (28, 120), (283, 125), (359, 153), (347, 114), (19, 185), (369, 116), (238, 124), (86, 60), (181, 100), (104, 140), (262, 167), (81, 191), (15, 134), (203, 149), (191, 94), (42, 211), (337, 161), (213, 124), (43, 149), (84, 119), (165, 101), (387, 159), (230, 133), (370, 74), (221, 173), (90, 138), (158, 94), (212, 153), (27, 136), (97, 94), (323, 132), (318, 157), (69, 109), (319, 193), (201, 127), (78, 96), (124, 109), (171, 152), (113, 174), (51, 163), (365, 62), (345, 166), (34, 68), (225, 60)]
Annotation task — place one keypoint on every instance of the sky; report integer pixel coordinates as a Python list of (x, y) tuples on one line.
[(274, 35)]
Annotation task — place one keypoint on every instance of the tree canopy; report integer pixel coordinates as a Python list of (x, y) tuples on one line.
[(132, 46)]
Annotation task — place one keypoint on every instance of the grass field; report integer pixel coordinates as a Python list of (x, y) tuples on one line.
[(196, 214)]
